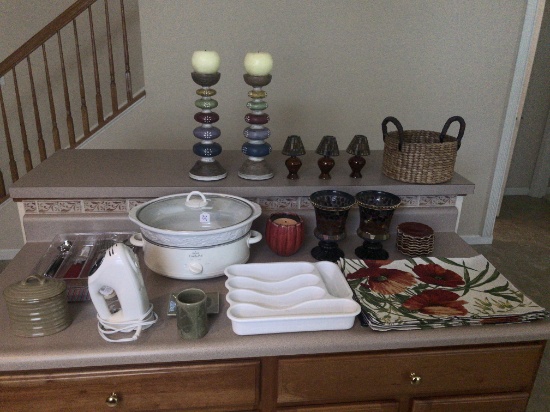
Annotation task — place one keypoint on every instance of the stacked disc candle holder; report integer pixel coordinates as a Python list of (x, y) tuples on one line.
[(207, 168), (255, 167)]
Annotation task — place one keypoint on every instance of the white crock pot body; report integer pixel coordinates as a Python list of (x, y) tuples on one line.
[(196, 263), (195, 235)]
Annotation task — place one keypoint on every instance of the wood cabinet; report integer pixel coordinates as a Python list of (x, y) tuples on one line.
[(418, 380), (212, 386), (476, 378)]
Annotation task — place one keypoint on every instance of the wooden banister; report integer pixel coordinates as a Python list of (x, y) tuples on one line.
[(65, 77), (43, 35)]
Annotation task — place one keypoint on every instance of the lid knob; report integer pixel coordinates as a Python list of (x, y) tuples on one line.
[(195, 203)]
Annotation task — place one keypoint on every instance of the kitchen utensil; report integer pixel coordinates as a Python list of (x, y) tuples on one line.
[(63, 249), (118, 293), (37, 306), (75, 254), (195, 235), (191, 309)]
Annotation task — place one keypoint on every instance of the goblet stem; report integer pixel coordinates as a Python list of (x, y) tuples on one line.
[(371, 251), (327, 251)]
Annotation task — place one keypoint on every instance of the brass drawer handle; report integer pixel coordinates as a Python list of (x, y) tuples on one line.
[(415, 380), (112, 400)]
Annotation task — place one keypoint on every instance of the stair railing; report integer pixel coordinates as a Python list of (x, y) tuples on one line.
[(38, 92)]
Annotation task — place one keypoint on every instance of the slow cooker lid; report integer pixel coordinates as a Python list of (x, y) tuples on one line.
[(195, 212)]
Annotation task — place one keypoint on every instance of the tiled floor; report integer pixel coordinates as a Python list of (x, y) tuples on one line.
[(521, 251)]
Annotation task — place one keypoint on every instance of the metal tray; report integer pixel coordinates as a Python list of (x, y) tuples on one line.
[(74, 262)]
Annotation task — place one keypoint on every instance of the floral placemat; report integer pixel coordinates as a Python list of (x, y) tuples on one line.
[(430, 292)]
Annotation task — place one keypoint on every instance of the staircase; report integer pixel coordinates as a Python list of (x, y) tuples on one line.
[(65, 84)]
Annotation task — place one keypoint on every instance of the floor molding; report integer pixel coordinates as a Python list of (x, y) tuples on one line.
[(516, 191), (477, 240)]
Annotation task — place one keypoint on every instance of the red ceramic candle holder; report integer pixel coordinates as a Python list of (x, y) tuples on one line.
[(284, 233)]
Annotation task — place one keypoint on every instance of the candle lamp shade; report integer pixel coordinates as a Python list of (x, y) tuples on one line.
[(328, 148), (358, 147), (293, 147)]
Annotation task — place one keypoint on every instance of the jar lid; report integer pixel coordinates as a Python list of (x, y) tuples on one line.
[(34, 288), (415, 229), (194, 212)]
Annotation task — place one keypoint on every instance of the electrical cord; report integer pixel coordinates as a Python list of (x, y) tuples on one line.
[(109, 328)]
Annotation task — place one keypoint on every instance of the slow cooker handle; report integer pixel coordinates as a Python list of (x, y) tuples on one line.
[(137, 240), (195, 203), (255, 237)]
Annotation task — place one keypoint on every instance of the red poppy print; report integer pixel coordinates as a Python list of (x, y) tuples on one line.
[(437, 302), (384, 281), (437, 275)]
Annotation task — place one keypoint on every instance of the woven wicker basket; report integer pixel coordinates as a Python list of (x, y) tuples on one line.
[(420, 156)]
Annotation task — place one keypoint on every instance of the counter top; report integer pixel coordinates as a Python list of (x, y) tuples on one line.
[(154, 173), (81, 346)]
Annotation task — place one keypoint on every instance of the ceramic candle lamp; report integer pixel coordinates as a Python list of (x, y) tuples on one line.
[(293, 147), (284, 233), (358, 147), (328, 147), (205, 62), (258, 64)]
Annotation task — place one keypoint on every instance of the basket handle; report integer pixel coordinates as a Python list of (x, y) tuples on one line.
[(448, 123), (397, 125)]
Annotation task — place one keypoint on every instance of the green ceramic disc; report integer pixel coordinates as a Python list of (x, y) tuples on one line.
[(207, 104), (254, 105)]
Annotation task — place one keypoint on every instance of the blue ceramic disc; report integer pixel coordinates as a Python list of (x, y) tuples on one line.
[(257, 134), (206, 133), (256, 150), (207, 149)]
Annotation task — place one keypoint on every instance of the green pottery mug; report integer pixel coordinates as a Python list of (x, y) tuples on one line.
[(191, 313)]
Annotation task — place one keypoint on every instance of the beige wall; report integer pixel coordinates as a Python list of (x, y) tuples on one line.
[(535, 114), (340, 68), (19, 21)]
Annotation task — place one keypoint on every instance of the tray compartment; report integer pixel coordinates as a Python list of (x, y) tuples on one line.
[(288, 297)]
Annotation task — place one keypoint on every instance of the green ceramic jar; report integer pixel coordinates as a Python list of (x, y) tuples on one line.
[(37, 306)]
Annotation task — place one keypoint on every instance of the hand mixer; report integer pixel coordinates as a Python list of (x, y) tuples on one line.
[(116, 276)]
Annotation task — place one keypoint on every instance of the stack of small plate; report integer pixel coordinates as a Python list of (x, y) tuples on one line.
[(415, 239)]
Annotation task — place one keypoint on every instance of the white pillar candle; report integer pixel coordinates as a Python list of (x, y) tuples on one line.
[(205, 62), (258, 64)]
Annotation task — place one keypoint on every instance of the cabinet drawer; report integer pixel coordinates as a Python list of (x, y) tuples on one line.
[(362, 376), (211, 386), (514, 402), (356, 407)]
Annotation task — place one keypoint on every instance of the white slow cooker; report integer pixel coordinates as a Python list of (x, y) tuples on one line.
[(195, 235)]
